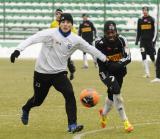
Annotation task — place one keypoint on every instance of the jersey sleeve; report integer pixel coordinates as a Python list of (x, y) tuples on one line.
[(155, 27), (94, 29), (126, 51), (39, 37), (101, 65), (79, 30), (138, 31)]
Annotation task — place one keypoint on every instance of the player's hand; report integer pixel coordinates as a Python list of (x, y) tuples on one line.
[(107, 61), (14, 55), (71, 76), (121, 64), (125, 61)]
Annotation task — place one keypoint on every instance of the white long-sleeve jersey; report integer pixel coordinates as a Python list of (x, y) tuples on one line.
[(56, 49)]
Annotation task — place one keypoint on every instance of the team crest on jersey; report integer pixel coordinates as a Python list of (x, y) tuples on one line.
[(86, 24), (69, 46), (145, 20)]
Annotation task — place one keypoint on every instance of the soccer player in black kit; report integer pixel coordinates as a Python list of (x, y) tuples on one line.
[(116, 49), (146, 34), (88, 32)]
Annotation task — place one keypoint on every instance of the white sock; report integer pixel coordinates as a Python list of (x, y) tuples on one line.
[(118, 102), (146, 66), (107, 107), (85, 60)]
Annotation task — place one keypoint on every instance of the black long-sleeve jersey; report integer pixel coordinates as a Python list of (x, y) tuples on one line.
[(114, 51), (87, 30), (146, 29)]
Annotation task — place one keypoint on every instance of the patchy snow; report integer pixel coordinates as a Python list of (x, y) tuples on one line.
[(33, 51)]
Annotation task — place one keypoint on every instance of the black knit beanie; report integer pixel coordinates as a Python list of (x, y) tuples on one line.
[(66, 16)]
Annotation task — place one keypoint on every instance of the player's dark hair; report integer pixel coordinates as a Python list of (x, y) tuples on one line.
[(84, 15), (145, 8), (110, 25), (59, 10)]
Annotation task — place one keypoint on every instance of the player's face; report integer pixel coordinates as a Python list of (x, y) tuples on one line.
[(58, 15), (111, 35), (85, 18), (65, 25), (145, 12)]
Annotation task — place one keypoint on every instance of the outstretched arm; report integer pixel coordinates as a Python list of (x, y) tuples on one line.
[(138, 32), (39, 37)]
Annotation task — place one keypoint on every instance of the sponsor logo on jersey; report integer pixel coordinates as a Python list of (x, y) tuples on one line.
[(146, 27), (115, 57), (69, 46), (86, 29)]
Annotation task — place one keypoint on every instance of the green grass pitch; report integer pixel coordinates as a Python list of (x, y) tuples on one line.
[(141, 98)]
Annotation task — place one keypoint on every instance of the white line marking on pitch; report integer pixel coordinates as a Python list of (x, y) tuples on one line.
[(78, 136), (8, 115)]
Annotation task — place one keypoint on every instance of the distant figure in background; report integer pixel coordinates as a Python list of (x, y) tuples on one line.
[(88, 32), (55, 24), (157, 79), (146, 34)]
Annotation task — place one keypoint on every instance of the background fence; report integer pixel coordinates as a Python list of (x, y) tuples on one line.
[(21, 18)]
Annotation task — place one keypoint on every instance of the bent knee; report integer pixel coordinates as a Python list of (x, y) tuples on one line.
[(38, 102)]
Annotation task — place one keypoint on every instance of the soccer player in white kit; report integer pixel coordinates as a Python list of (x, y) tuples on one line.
[(58, 44)]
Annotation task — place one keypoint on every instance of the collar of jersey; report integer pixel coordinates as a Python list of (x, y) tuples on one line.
[(65, 34)]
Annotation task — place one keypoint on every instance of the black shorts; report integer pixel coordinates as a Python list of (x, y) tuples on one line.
[(113, 82), (148, 47), (42, 84)]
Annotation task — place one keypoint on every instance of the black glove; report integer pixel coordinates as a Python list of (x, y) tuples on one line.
[(71, 65), (71, 76), (14, 55)]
